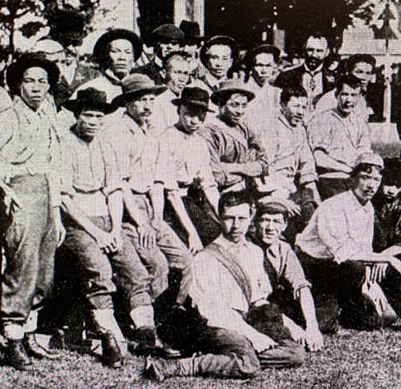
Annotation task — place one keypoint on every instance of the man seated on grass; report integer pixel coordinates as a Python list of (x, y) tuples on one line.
[(229, 281), (337, 255), (285, 271)]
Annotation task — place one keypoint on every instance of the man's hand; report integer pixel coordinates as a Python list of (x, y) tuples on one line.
[(194, 243), (146, 236), (378, 272), (313, 339), (118, 239), (60, 231), (263, 343), (106, 242)]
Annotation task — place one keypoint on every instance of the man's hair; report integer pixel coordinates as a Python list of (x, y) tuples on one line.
[(232, 199), (292, 91), (391, 173), (317, 35), (360, 58), (349, 80), (174, 55), (365, 168)]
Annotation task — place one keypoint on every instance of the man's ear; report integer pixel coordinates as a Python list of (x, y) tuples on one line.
[(163, 73)]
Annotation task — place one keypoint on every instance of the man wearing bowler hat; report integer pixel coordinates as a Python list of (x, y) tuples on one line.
[(139, 154), (116, 52), (191, 162), (237, 154), (192, 44), (165, 40), (30, 204)]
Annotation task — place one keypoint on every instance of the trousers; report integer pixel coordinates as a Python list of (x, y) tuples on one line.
[(29, 240)]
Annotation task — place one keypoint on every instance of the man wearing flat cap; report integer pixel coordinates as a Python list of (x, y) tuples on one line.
[(165, 40), (30, 206), (237, 154), (136, 142), (116, 52), (218, 56), (191, 163), (336, 253)]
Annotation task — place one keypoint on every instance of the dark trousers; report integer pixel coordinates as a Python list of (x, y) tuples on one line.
[(101, 272), (29, 240), (336, 289), (329, 187)]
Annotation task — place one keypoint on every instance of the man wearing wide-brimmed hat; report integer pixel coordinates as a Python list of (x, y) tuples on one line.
[(191, 158), (116, 52), (236, 152), (32, 229), (136, 141), (218, 55), (96, 237)]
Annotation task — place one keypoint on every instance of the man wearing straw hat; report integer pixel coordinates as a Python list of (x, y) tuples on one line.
[(137, 146)]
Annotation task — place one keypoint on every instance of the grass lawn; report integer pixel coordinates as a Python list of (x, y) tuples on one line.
[(360, 360)]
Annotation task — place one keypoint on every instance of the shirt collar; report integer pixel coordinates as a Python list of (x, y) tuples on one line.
[(317, 70), (355, 205), (228, 245)]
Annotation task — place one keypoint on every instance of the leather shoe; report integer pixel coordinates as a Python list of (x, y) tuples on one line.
[(145, 337), (17, 356), (36, 350), (112, 354), (159, 369)]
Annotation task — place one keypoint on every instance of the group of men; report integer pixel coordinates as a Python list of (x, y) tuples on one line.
[(181, 167)]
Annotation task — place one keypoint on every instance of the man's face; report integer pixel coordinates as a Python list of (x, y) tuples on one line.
[(219, 60), (235, 222), (165, 48), (264, 68), (191, 50), (142, 109), (367, 185), (89, 122), (191, 118), (177, 75), (316, 50), (270, 227), (391, 192), (58, 58), (233, 110), (34, 87), (363, 72), (347, 99), (121, 57), (294, 110)]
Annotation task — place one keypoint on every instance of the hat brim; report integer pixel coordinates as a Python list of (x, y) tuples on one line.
[(78, 105), (224, 94), (179, 102), (100, 51), (123, 99)]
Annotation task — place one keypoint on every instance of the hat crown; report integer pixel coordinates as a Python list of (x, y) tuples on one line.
[(137, 82), (190, 29), (168, 32), (91, 96), (195, 94)]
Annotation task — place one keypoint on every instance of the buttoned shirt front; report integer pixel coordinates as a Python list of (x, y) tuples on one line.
[(190, 156), (341, 228), (312, 81), (30, 143), (342, 138), (138, 153), (90, 173), (288, 154)]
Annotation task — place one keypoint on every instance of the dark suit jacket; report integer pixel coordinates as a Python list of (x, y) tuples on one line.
[(294, 76)]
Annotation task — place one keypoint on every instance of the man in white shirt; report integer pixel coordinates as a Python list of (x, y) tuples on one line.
[(336, 252), (230, 279)]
